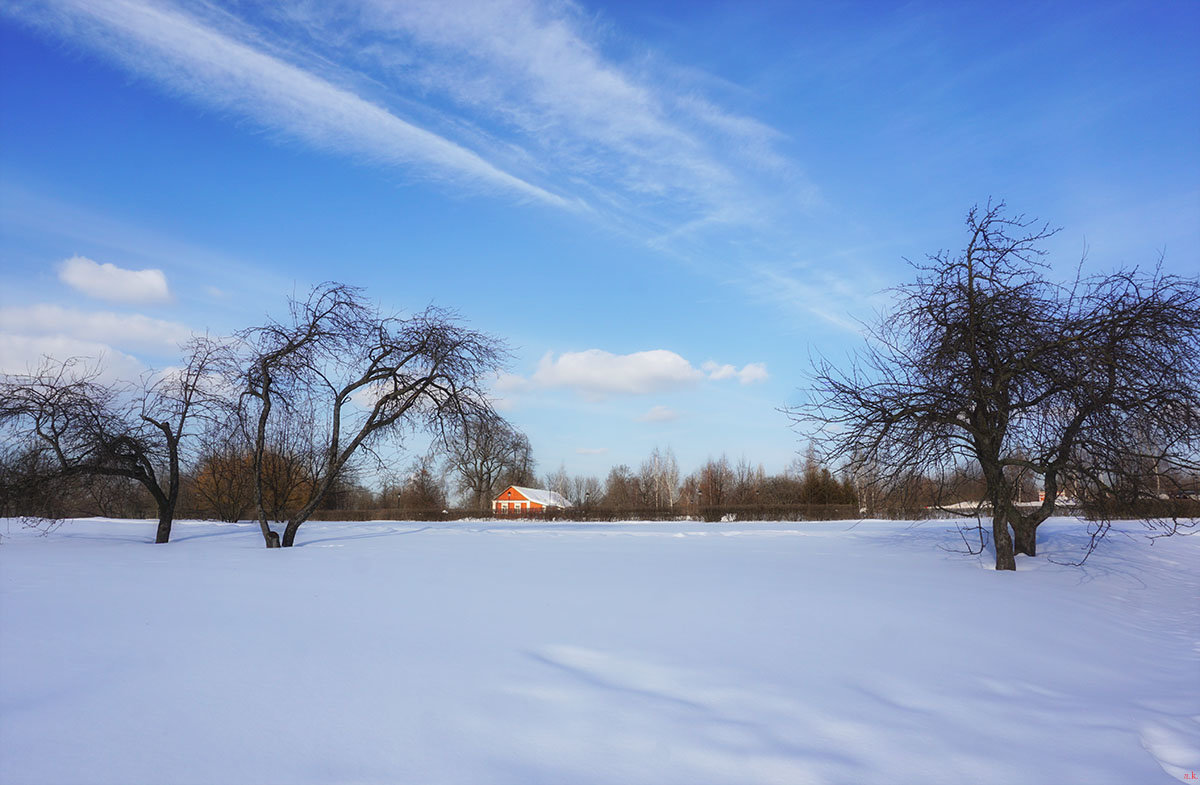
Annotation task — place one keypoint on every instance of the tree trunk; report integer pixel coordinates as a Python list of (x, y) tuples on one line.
[(1000, 496), (269, 536), (1005, 558), (1025, 538), (166, 510), (163, 534), (289, 533)]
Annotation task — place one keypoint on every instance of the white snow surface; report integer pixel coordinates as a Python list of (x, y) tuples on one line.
[(525, 653)]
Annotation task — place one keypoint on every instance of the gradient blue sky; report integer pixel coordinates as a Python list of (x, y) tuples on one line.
[(664, 208)]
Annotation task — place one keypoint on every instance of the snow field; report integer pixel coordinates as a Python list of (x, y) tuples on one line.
[(487, 652)]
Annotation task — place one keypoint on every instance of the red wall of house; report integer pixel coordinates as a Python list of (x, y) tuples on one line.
[(510, 495)]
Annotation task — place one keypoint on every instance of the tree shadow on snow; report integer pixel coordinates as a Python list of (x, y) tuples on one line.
[(364, 536), (247, 529)]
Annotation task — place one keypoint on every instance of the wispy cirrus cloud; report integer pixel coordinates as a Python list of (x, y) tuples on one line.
[(108, 282), (221, 62), (829, 295), (536, 100), (541, 73), (528, 97)]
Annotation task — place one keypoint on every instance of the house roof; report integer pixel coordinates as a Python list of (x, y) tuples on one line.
[(542, 497)]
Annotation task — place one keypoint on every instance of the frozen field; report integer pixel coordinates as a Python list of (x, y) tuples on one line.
[(593, 653)]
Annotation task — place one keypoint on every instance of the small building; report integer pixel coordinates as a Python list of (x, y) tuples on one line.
[(515, 500)]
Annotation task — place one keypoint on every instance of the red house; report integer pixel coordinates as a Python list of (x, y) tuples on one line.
[(515, 500)]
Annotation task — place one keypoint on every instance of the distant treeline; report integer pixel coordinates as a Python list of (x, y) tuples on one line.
[(220, 486)]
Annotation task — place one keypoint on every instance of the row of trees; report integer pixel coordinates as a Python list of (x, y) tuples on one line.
[(217, 479), (445, 478), (283, 413), (279, 421), (656, 485)]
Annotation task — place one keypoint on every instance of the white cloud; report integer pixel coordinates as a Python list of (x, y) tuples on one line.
[(716, 371), (748, 374), (109, 282), (753, 372), (29, 213), (503, 404), (133, 332), (211, 65), (659, 414), (596, 373), (506, 389), (21, 354), (590, 450), (510, 382)]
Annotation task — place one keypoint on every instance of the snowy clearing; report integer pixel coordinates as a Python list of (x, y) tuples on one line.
[(485, 652)]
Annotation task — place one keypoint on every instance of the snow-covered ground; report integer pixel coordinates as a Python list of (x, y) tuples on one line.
[(593, 653)]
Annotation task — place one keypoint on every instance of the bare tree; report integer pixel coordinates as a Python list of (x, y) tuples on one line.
[(748, 481), (224, 483), (985, 362), (289, 465), (715, 482), (423, 490), (91, 428), (485, 455), (113, 497), (364, 375), (559, 481), (28, 486), (622, 489), (659, 479), (585, 491)]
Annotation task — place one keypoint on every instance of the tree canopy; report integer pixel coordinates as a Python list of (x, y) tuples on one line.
[(1092, 387)]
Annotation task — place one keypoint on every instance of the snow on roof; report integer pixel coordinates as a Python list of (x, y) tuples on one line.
[(542, 497)]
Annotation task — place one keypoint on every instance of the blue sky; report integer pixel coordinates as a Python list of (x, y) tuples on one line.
[(664, 213)]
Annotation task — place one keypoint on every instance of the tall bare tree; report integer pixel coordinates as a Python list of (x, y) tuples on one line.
[(984, 361), (223, 484), (715, 482), (92, 428), (585, 491), (29, 486), (659, 478), (622, 489), (364, 375), (558, 481), (485, 455), (422, 491)]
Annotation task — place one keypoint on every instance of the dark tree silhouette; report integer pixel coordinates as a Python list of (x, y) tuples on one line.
[(486, 455), (361, 376), (1093, 388), (90, 428)]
